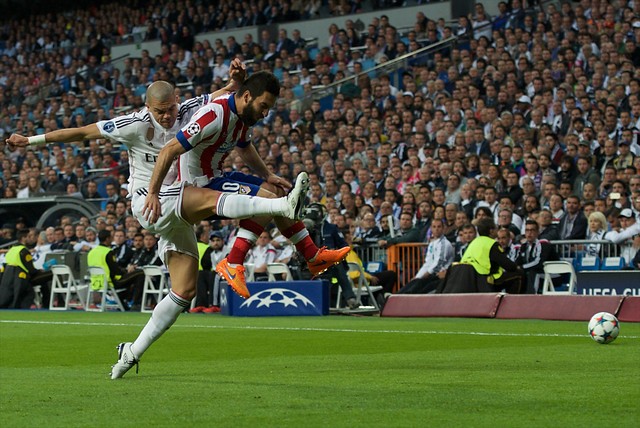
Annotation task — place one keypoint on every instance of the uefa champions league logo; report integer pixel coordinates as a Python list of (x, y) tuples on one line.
[(276, 296)]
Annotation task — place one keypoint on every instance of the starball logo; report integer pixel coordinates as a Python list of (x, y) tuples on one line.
[(277, 296)]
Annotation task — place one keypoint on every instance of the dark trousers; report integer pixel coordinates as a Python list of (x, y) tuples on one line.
[(132, 284), (421, 285), (204, 289), (511, 282), (17, 292), (387, 280)]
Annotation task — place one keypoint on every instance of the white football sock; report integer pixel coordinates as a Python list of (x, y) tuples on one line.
[(233, 205), (163, 317)]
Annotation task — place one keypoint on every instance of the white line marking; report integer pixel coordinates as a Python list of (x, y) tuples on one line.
[(331, 330)]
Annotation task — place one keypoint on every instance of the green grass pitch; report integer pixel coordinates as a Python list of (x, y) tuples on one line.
[(210, 370)]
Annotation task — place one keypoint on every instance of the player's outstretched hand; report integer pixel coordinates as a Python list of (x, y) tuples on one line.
[(17, 140), (280, 182), (151, 210), (237, 71)]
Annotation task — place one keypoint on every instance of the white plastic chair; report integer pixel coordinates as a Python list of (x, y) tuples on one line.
[(151, 288), (553, 269), (249, 269), (65, 285), (362, 287), (274, 269), (110, 299)]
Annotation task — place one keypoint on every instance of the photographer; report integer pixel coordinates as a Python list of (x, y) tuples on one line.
[(326, 234)]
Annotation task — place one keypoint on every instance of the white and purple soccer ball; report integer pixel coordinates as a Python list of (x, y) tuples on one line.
[(604, 327)]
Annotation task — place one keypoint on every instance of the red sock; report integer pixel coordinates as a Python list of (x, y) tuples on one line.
[(299, 236), (239, 251), (247, 237)]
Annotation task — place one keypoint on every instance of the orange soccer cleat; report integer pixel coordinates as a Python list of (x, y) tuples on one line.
[(325, 258), (234, 277)]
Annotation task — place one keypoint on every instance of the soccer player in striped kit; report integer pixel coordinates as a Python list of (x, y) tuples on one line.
[(203, 145), (179, 206)]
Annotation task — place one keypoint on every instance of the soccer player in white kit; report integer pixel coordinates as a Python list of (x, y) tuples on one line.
[(180, 206), (203, 145)]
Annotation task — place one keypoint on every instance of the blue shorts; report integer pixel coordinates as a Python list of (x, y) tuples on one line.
[(236, 182)]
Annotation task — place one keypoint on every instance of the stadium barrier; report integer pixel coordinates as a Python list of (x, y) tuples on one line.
[(510, 306), (481, 305), (630, 310), (406, 260)]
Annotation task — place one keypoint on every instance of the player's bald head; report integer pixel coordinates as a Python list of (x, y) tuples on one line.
[(160, 91)]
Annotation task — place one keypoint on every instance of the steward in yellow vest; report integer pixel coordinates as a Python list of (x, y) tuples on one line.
[(130, 283), (20, 276), (492, 268)]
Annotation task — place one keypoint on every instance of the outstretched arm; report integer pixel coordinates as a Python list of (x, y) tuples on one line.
[(88, 132), (151, 209)]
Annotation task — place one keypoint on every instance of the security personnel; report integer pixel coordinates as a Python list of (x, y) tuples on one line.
[(204, 286), (492, 269), (326, 234), (20, 275), (103, 256)]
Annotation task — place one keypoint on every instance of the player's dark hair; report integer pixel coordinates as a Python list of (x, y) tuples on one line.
[(259, 83)]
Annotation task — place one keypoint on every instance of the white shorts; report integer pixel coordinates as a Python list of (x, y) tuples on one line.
[(176, 234)]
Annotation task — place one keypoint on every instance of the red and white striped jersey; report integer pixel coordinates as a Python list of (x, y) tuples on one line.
[(144, 138), (214, 131)]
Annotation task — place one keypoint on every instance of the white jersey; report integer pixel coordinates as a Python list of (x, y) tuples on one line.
[(144, 138), (214, 131)]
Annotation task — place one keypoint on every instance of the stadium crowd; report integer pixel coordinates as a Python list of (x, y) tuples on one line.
[(532, 117)]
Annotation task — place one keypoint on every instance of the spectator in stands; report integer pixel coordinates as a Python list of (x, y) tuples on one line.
[(624, 237), (122, 251), (368, 232), (533, 254), (130, 282), (598, 227), (53, 184), (547, 230), (145, 255), (32, 190), (439, 257), (91, 241), (573, 224), (261, 255)]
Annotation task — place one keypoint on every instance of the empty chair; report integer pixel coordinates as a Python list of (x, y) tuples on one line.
[(612, 263), (553, 270), (588, 263), (249, 268), (375, 267), (155, 286), (274, 269), (108, 296), (64, 286)]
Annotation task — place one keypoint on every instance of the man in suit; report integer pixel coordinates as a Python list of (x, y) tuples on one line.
[(533, 254), (573, 224), (480, 145)]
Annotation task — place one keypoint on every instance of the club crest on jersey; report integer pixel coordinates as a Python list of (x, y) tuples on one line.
[(244, 190), (193, 128), (109, 127)]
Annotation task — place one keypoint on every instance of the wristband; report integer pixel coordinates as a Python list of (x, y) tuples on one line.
[(37, 139)]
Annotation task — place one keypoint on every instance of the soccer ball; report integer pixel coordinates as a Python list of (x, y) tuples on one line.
[(604, 327)]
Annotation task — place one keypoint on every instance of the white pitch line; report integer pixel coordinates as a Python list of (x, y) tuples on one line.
[(317, 329)]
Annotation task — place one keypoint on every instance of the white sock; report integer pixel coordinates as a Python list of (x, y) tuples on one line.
[(163, 317), (233, 205)]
